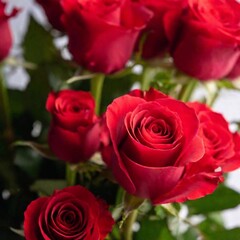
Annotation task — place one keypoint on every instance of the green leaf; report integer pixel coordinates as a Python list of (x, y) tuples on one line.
[(154, 230), (38, 44), (19, 232), (226, 84), (28, 161), (7, 234), (47, 187), (190, 234), (210, 225), (222, 198), (232, 234), (42, 149), (212, 229), (113, 88)]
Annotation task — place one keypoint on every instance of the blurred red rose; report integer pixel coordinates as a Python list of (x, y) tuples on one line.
[(74, 132), (102, 34), (53, 11), (71, 213), (219, 142), (164, 22), (156, 151), (207, 45), (5, 32)]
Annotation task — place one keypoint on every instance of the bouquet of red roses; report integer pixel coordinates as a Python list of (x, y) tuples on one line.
[(109, 139)]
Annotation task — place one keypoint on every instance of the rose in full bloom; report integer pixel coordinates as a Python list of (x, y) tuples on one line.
[(207, 45), (53, 11), (219, 142), (74, 131), (102, 33), (156, 150), (5, 32), (164, 22), (71, 213)]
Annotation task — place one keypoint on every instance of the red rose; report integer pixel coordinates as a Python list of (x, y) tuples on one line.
[(165, 19), (207, 45), (156, 151), (53, 11), (74, 131), (102, 33), (219, 142), (234, 162), (5, 32), (71, 213)]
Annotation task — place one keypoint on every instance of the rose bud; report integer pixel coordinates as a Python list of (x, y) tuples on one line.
[(102, 34), (207, 45), (74, 132)]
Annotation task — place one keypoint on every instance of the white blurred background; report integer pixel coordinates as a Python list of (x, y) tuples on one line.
[(228, 102)]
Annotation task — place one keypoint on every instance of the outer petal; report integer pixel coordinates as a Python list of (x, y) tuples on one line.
[(193, 152), (31, 216), (71, 146), (115, 116), (234, 162), (150, 95), (235, 72), (53, 11), (169, 11), (204, 112), (202, 55), (150, 182), (50, 104), (90, 140), (105, 220), (6, 39), (88, 33), (199, 180)]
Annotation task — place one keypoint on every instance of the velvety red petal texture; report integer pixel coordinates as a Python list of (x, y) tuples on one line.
[(235, 72), (71, 213), (6, 39), (53, 11), (151, 94), (199, 180), (234, 162), (31, 228), (157, 150), (5, 31), (90, 28), (207, 43), (157, 42), (76, 146), (74, 133), (219, 142)]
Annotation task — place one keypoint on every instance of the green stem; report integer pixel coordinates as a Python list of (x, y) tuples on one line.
[(213, 93), (128, 225), (5, 110), (147, 77), (187, 90), (96, 90), (71, 175)]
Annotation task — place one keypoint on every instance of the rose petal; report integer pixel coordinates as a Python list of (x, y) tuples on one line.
[(31, 216), (150, 182), (199, 180)]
